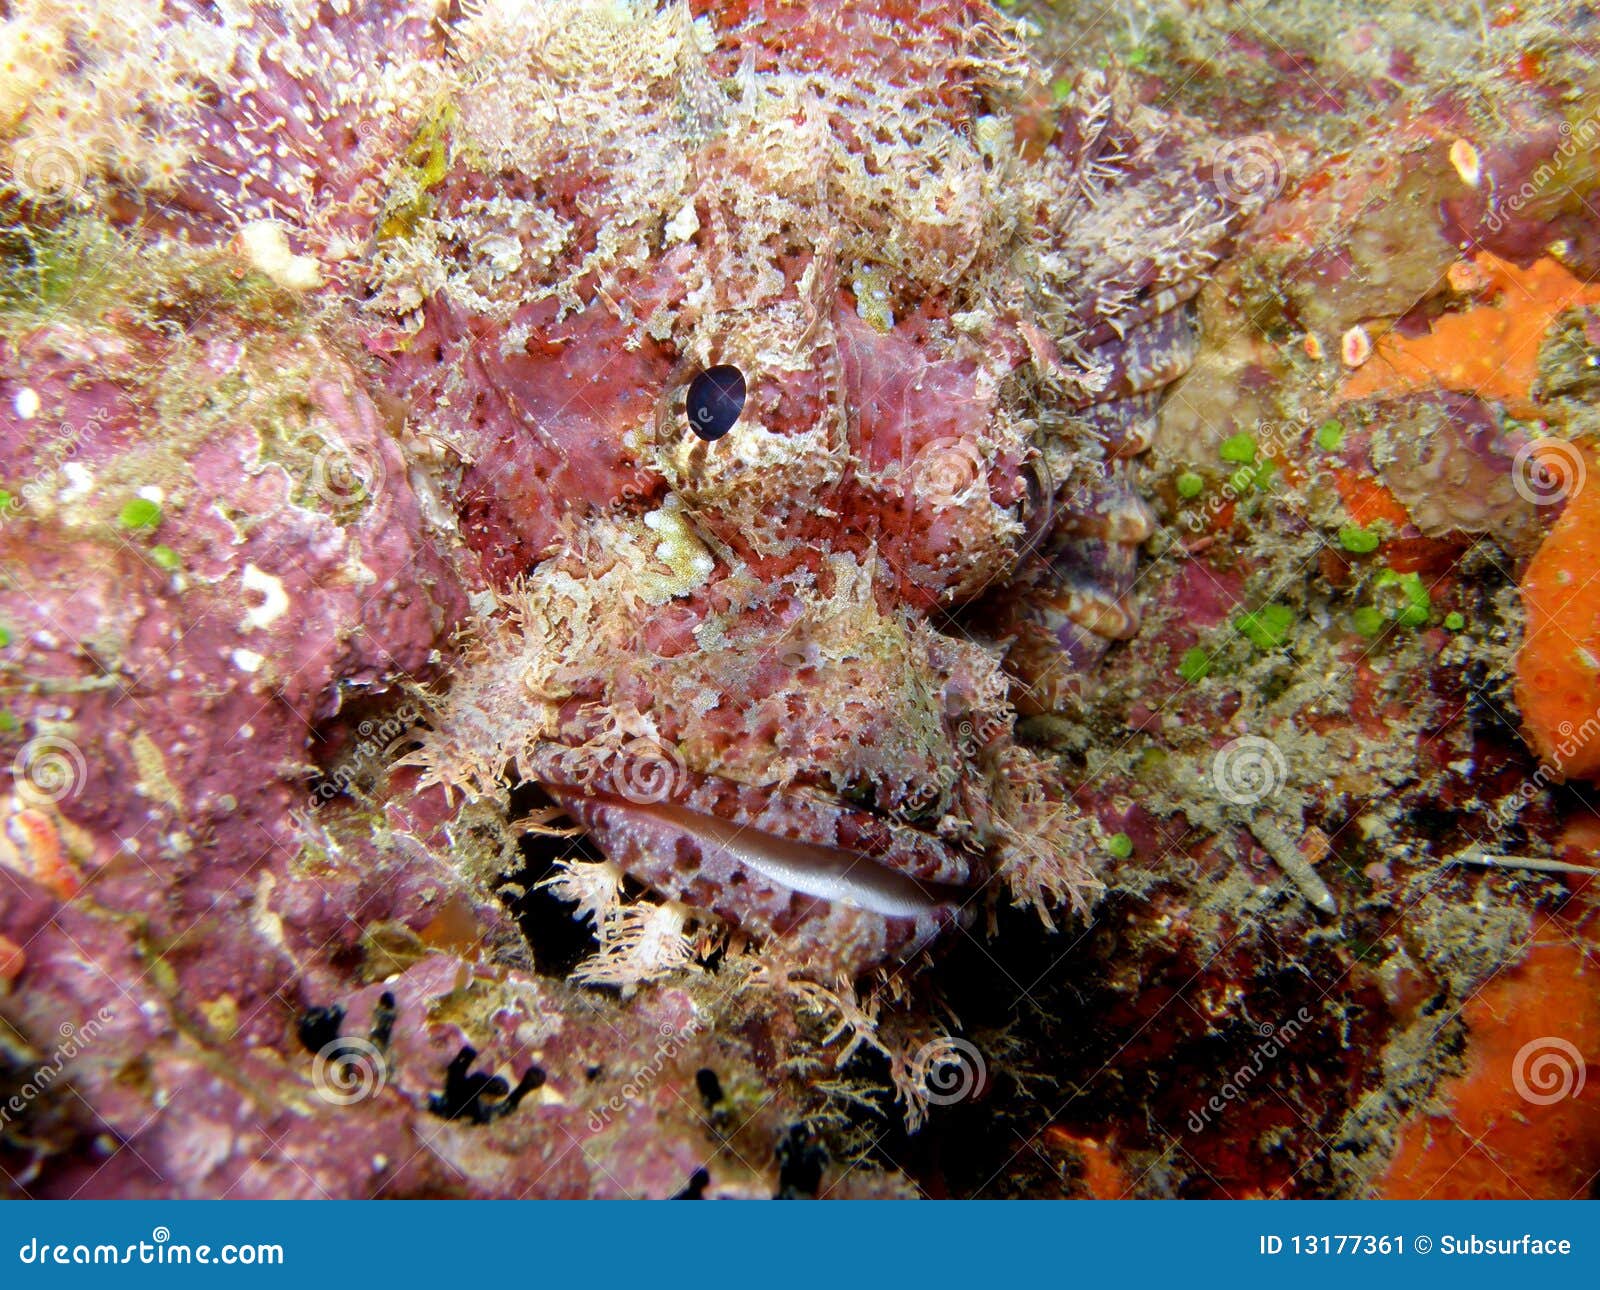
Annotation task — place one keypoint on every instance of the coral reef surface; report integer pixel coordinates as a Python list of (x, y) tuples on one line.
[(605, 598)]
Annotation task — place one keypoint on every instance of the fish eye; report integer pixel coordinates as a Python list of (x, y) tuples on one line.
[(715, 400)]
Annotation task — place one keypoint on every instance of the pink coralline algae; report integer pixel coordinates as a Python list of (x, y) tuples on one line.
[(357, 543), (168, 631)]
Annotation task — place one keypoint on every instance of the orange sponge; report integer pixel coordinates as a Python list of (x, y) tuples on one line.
[(1523, 1120), (1558, 670), (1490, 349)]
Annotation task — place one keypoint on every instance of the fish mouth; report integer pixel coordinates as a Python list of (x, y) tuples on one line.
[(809, 870), (828, 873)]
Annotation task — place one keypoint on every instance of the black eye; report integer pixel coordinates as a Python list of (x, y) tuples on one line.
[(716, 398)]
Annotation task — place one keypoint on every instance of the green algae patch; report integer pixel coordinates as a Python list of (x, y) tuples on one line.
[(1239, 449), (1357, 540), (141, 515), (1367, 620), (1195, 665), (1409, 603), (1266, 628)]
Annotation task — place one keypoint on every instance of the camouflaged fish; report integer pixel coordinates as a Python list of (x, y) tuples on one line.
[(774, 672)]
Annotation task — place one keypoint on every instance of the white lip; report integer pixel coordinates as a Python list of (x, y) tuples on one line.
[(828, 873)]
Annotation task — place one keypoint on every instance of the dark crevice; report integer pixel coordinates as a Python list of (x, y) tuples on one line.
[(549, 925)]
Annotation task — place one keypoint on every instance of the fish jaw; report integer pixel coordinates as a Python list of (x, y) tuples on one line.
[(840, 888)]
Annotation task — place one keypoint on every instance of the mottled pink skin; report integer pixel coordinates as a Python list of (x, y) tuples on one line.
[(923, 474), (544, 429), (541, 429), (906, 404), (313, 147), (545, 437)]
